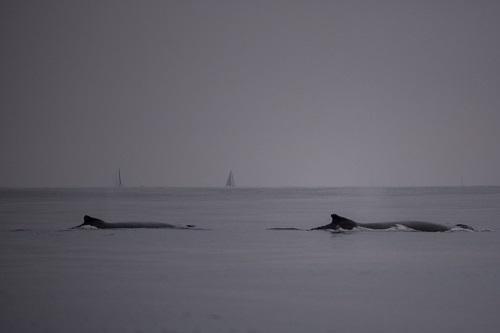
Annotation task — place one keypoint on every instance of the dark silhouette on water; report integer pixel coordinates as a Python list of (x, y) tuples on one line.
[(340, 222), (95, 222), (119, 179), (230, 180)]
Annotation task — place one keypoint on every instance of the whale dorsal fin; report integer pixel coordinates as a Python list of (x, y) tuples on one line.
[(90, 219), (342, 222)]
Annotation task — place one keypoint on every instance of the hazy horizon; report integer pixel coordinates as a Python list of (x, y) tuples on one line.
[(215, 187), (284, 93)]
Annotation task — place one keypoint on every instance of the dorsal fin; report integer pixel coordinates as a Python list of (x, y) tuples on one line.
[(90, 219), (342, 222)]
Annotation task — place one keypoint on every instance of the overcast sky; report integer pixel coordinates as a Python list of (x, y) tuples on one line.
[(284, 93)]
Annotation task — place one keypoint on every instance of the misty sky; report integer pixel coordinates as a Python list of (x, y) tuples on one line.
[(284, 93)]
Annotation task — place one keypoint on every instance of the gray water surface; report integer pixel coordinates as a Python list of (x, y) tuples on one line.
[(240, 277)]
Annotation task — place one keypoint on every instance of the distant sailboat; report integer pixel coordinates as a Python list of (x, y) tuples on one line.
[(230, 180), (119, 180)]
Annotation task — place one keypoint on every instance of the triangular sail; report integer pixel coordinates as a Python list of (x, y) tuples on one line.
[(119, 181), (230, 180)]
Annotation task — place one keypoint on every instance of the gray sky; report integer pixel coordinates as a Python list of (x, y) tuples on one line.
[(306, 93)]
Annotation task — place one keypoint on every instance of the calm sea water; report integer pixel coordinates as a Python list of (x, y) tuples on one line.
[(240, 277)]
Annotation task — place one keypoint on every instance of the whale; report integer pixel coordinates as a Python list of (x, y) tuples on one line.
[(100, 224), (340, 222)]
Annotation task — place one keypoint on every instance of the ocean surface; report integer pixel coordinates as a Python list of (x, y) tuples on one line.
[(239, 277)]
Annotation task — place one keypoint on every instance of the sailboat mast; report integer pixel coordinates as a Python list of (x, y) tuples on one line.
[(119, 178)]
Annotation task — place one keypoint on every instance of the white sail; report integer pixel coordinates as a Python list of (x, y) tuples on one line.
[(230, 180)]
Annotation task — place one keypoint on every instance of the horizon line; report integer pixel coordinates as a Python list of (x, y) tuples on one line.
[(244, 187)]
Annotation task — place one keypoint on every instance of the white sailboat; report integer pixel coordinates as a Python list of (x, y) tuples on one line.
[(230, 180)]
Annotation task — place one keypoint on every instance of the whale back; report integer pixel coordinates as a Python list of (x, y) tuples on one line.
[(465, 226)]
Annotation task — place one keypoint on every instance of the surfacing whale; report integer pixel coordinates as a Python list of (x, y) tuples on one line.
[(97, 223), (340, 222)]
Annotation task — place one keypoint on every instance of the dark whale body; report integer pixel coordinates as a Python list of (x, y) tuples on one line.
[(94, 222), (340, 222)]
